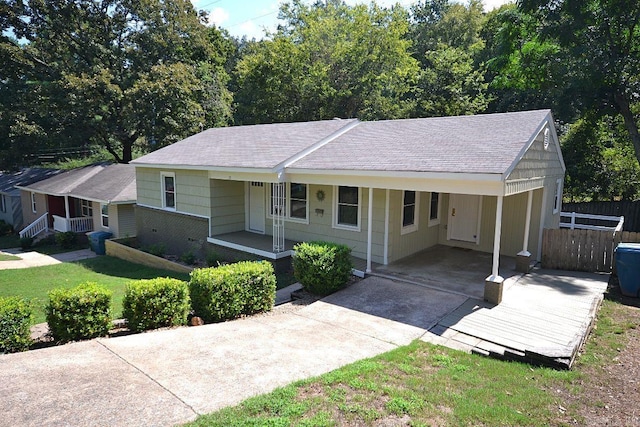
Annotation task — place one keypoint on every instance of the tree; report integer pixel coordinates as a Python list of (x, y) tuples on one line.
[(122, 73), (599, 42), (328, 60), (447, 45)]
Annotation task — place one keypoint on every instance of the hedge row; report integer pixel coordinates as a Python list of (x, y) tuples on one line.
[(83, 312), (15, 323)]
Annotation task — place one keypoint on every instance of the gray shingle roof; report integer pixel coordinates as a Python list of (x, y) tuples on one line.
[(487, 143), (8, 181), (254, 146), (107, 183)]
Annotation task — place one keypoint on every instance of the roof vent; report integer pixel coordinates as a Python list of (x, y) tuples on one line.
[(546, 138)]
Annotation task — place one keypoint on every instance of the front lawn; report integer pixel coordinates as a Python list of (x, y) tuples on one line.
[(34, 283), (8, 257), (426, 385)]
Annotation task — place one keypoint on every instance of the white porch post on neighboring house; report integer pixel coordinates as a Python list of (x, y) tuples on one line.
[(523, 259), (493, 284), (66, 208), (369, 229), (278, 213)]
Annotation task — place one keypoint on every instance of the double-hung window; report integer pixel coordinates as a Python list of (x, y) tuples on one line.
[(168, 190), (434, 209), (86, 208), (410, 203), (557, 200), (3, 203), (104, 215), (295, 201), (347, 207), (34, 207)]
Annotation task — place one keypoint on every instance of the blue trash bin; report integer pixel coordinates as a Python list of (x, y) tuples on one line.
[(96, 241), (628, 266)]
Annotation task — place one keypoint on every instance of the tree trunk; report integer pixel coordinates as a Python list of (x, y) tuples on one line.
[(629, 121)]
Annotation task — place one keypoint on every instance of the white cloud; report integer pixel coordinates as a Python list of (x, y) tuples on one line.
[(218, 16)]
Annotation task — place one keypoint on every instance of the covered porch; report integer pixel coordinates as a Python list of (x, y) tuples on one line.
[(68, 213)]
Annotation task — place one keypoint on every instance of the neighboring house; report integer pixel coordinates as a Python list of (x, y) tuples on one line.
[(10, 205), (92, 198), (387, 189)]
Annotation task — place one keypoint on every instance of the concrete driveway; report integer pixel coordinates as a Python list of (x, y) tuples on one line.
[(168, 377)]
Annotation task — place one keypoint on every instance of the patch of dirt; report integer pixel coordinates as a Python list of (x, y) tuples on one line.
[(609, 396)]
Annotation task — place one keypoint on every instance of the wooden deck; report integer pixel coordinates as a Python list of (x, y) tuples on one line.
[(543, 319)]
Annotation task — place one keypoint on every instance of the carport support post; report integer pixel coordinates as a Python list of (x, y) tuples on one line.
[(369, 229), (493, 284), (523, 260)]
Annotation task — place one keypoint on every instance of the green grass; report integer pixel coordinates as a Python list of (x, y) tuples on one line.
[(35, 283), (422, 385), (8, 257)]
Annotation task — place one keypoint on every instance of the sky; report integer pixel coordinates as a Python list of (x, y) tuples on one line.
[(251, 17)]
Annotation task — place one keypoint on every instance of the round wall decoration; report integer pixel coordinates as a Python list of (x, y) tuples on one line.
[(320, 195)]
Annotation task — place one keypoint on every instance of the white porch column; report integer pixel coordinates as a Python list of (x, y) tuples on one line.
[(278, 190), (66, 208), (369, 229), (523, 259), (493, 284), (386, 227)]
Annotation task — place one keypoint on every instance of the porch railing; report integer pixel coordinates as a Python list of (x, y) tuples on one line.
[(77, 225), (36, 227)]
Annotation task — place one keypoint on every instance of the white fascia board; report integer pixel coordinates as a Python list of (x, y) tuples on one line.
[(46, 193), (210, 168), (316, 145), (460, 183), (556, 140)]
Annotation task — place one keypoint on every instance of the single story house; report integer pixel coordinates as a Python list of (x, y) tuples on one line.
[(387, 189), (91, 198), (10, 205)]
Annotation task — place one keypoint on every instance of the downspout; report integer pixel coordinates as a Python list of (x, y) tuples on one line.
[(369, 229)]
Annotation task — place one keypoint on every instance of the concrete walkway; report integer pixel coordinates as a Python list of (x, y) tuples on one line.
[(36, 259)]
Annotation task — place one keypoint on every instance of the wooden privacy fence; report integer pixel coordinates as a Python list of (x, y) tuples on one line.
[(582, 250)]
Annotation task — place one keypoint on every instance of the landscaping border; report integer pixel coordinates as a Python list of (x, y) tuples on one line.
[(127, 253)]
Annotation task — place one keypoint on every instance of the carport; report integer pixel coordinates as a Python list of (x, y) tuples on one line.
[(456, 270)]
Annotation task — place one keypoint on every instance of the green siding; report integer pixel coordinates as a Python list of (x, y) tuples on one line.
[(227, 206), (192, 190)]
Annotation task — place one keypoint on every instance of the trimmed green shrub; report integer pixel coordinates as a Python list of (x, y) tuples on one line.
[(155, 303), (66, 240), (5, 228), (229, 291), (15, 324), (188, 258), (79, 313), (26, 243), (322, 267)]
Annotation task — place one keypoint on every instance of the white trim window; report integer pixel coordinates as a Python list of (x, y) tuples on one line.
[(104, 215), (168, 190), (86, 208), (557, 198), (296, 202), (410, 210), (34, 207), (346, 208), (3, 203), (434, 208)]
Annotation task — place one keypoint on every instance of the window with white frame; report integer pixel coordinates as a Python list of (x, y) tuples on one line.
[(168, 190), (557, 200), (86, 208), (410, 203), (104, 215), (3, 203), (434, 208), (34, 207), (347, 207), (295, 203)]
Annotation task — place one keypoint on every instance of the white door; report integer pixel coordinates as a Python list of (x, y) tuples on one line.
[(256, 207), (464, 217)]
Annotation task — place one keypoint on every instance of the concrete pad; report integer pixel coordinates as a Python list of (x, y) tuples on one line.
[(213, 366), (82, 384), (36, 259), (390, 311)]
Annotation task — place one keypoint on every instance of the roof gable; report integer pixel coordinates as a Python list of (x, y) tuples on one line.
[(488, 143)]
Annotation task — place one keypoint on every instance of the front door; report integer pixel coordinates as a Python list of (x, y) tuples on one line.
[(256, 207), (464, 217)]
